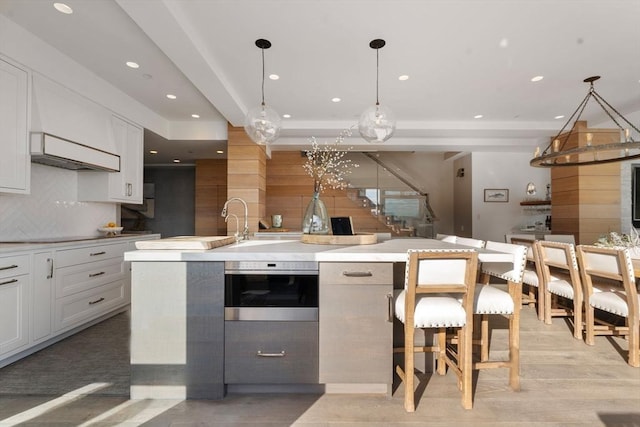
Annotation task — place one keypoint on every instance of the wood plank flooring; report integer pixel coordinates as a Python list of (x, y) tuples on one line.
[(564, 383)]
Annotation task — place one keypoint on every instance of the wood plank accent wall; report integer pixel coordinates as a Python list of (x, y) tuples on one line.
[(289, 191), (246, 178), (586, 199), (211, 193)]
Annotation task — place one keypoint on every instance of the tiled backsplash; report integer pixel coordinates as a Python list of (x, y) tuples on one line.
[(52, 209)]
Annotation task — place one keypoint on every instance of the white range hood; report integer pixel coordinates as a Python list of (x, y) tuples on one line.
[(69, 130), (53, 151)]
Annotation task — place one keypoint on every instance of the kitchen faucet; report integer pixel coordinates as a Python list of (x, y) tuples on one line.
[(237, 233), (245, 233)]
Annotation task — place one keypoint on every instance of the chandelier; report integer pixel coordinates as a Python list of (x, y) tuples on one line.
[(560, 153), (262, 123), (377, 123)]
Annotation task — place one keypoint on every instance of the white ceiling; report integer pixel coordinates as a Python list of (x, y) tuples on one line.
[(463, 58)]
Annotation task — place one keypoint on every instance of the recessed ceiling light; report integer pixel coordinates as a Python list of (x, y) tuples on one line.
[(559, 117), (478, 116), (274, 76), (170, 96), (132, 64), (153, 152), (336, 99), (220, 152), (176, 160), (286, 116), (63, 8), (537, 78), (504, 42), (195, 116), (403, 77)]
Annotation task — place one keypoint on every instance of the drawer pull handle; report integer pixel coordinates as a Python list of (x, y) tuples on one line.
[(96, 301), (261, 354), (97, 253), (8, 281), (390, 311), (357, 273), (96, 274), (50, 261), (9, 267)]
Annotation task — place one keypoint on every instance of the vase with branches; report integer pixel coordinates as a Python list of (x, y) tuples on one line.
[(328, 166)]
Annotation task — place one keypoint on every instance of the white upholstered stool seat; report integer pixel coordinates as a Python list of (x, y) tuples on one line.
[(433, 311)]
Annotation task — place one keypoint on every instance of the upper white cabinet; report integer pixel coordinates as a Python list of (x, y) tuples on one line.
[(126, 185), (14, 141)]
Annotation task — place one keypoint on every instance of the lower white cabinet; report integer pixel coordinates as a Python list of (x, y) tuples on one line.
[(42, 276), (355, 323), (89, 281), (15, 288)]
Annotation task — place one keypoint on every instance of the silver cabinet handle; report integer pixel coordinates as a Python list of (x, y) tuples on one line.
[(261, 354), (390, 311), (96, 301), (96, 274), (8, 281), (97, 253), (50, 262), (129, 189), (9, 267), (357, 273)]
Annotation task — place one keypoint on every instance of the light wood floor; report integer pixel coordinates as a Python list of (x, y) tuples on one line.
[(564, 383)]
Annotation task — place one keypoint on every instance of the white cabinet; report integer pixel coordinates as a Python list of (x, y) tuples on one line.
[(356, 325), (126, 185), (15, 163), (89, 282), (42, 277), (14, 302)]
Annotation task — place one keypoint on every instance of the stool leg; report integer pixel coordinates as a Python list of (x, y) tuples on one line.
[(409, 403)]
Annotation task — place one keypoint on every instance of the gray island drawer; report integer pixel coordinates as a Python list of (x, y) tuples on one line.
[(271, 352)]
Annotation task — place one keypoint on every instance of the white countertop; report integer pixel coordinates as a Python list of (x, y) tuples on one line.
[(50, 243), (394, 250)]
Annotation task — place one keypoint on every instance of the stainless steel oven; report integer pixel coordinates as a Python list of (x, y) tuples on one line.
[(273, 291)]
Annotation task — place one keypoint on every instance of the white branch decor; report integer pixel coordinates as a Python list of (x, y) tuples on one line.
[(327, 164)]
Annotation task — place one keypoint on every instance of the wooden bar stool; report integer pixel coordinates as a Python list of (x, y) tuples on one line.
[(438, 294)]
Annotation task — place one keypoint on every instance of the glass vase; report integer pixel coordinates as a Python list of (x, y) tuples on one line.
[(316, 219)]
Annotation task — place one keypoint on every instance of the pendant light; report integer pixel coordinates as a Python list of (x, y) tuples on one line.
[(377, 123), (262, 123)]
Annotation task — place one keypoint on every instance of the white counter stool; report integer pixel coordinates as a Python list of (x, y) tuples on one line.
[(489, 300), (533, 296), (467, 241), (439, 289), (612, 264), (561, 278), (564, 238)]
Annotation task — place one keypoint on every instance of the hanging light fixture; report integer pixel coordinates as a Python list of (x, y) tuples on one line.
[(560, 153), (377, 123), (262, 123)]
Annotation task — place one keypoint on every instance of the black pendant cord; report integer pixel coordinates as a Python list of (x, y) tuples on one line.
[(377, 73), (262, 49)]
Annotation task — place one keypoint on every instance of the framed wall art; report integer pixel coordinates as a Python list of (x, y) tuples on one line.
[(496, 195)]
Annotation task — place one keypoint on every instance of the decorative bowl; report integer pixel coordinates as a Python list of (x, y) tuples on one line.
[(110, 231)]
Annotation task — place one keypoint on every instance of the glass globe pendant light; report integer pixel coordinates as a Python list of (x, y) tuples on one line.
[(377, 123), (262, 123)]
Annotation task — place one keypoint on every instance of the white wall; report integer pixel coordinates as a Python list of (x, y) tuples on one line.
[(491, 221), (52, 209)]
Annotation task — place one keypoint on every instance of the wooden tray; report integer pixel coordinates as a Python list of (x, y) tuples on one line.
[(330, 239), (186, 242)]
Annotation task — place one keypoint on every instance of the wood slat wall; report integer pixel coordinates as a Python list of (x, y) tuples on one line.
[(289, 190), (246, 177), (211, 193), (586, 199)]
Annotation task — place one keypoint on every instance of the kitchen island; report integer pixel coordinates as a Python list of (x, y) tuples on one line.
[(186, 344)]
